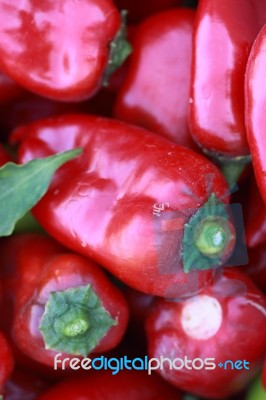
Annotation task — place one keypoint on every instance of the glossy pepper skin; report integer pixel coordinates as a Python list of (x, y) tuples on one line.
[(110, 203), (255, 109), (133, 385), (223, 36), (49, 314), (215, 324), (157, 97), (45, 50)]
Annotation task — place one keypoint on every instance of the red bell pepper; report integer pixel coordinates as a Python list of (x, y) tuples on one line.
[(132, 385), (216, 340), (61, 301), (157, 98), (141, 206), (223, 36), (255, 109), (62, 50), (6, 363)]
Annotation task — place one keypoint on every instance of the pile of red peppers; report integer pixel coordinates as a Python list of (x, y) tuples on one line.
[(132, 200)]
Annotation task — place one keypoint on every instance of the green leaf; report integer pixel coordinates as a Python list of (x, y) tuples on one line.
[(22, 186)]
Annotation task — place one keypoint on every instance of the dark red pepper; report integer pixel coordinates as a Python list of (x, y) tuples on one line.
[(130, 385), (223, 36), (155, 92), (61, 301), (255, 109), (61, 49), (143, 207), (226, 321)]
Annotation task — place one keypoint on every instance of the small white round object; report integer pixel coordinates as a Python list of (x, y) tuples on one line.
[(201, 317)]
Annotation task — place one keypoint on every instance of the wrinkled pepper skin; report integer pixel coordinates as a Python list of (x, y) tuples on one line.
[(255, 109), (33, 268), (44, 49), (226, 321), (6, 363), (223, 36), (101, 204), (132, 385), (157, 98)]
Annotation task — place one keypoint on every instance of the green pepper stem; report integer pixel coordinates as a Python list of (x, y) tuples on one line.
[(74, 321), (120, 49), (211, 236)]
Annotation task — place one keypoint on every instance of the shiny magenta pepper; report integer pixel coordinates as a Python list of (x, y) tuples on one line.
[(138, 204), (61, 49), (255, 109), (57, 302), (204, 337), (129, 202), (155, 92), (223, 36)]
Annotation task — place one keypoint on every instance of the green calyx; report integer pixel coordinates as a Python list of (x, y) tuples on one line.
[(120, 49), (74, 321), (231, 167), (208, 237)]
